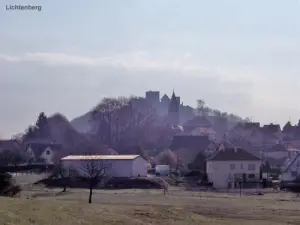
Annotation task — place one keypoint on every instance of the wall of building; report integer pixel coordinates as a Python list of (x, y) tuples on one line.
[(114, 168), (139, 167), (220, 172), (153, 97), (48, 155), (30, 153)]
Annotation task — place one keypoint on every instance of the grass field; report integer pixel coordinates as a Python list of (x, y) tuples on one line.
[(49, 206), (147, 207)]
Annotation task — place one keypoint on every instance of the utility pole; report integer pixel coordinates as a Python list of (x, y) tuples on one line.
[(177, 165)]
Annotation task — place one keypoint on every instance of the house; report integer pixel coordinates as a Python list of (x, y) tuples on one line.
[(291, 132), (271, 128), (291, 171), (42, 152), (248, 131), (116, 165), (197, 121), (231, 164)]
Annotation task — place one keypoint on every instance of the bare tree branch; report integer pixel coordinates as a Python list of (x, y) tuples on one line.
[(116, 120), (94, 170)]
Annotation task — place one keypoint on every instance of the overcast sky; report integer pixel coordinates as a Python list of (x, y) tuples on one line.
[(239, 56)]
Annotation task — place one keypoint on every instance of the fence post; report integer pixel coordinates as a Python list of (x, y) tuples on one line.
[(240, 188)]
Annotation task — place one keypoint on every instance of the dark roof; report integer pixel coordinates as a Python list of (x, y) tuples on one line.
[(190, 142), (275, 162), (39, 148), (242, 143), (296, 132), (251, 125), (278, 147), (198, 121), (288, 127), (165, 98), (9, 144), (271, 128), (247, 125), (233, 154)]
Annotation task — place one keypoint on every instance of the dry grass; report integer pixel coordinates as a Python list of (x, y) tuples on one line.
[(148, 207)]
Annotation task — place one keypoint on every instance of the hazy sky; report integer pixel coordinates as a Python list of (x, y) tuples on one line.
[(239, 56)]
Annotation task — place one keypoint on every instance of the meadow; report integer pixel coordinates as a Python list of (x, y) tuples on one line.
[(39, 205)]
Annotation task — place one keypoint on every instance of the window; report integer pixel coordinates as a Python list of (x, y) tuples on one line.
[(242, 166), (47, 152), (298, 163), (232, 166), (251, 167), (294, 173)]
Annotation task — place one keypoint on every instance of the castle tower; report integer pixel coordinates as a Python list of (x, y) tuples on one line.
[(173, 112)]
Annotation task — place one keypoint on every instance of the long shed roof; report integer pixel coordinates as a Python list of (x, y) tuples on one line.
[(100, 157)]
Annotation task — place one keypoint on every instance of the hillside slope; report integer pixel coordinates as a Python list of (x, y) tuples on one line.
[(74, 142), (81, 123)]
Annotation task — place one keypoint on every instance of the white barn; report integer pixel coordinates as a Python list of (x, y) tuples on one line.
[(116, 165)]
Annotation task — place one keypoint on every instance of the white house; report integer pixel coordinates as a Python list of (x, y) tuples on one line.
[(291, 170), (229, 165), (115, 165)]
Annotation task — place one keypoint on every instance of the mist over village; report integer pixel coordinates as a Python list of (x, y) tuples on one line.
[(153, 112)]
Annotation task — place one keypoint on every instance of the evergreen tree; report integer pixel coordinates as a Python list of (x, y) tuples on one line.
[(41, 122), (30, 133), (43, 130)]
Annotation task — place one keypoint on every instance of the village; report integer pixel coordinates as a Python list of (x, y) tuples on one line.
[(225, 153), (144, 112)]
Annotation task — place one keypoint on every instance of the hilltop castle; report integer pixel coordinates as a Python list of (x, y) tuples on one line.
[(175, 113)]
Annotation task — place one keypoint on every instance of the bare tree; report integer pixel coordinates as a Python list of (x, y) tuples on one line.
[(200, 104), (105, 119), (167, 157), (116, 120), (94, 171)]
